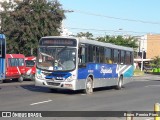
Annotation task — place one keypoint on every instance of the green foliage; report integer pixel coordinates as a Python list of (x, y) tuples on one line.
[(120, 40), (88, 35), (155, 62), (24, 23)]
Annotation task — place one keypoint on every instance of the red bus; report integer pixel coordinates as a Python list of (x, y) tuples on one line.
[(15, 66), (30, 67)]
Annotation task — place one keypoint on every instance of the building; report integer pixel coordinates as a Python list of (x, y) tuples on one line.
[(153, 45), (149, 46), (142, 43)]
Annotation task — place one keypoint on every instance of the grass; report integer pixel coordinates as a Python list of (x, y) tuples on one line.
[(138, 72)]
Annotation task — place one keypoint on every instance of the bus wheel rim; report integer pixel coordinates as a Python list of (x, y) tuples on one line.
[(89, 87)]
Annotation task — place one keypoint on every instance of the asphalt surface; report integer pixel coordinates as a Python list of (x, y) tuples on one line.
[(139, 95)]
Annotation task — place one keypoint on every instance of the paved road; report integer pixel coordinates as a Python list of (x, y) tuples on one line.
[(139, 95)]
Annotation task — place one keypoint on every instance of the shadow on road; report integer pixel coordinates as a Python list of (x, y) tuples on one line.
[(14, 80), (34, 88)]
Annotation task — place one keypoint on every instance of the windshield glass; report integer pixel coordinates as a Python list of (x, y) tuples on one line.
[(56, 58), (30, 63)]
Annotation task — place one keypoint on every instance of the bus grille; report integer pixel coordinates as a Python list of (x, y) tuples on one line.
[(52, 83)]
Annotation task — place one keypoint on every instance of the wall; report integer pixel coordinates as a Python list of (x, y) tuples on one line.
[(153, 45)]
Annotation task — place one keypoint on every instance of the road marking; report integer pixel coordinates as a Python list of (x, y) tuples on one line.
[(41, 102), (83, 94), (152, 86)]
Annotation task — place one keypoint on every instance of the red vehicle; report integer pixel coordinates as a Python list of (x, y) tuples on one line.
[(30, 67), (15, 66)]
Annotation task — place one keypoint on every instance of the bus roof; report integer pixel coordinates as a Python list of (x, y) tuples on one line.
[(30, 58), (94, 42), (15, 55)]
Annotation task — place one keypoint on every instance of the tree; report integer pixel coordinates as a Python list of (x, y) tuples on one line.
[(88, 35), (24, 23), (119, 40), (155, 62)]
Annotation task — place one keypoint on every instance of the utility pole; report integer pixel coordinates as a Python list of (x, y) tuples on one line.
[(142, 59)]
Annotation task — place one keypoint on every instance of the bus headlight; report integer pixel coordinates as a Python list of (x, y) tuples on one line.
[(71, 78), (39, 76)]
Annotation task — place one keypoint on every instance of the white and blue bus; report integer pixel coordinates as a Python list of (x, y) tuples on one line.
[(75, 64), (2, 57)]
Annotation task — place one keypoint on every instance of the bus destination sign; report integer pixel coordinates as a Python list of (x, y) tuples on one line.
[(58, 42)]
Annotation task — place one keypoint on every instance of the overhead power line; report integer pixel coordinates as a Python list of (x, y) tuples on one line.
[(100, 30), (117, 18)]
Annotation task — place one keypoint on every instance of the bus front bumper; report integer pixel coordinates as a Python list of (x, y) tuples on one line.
[(55, 84)]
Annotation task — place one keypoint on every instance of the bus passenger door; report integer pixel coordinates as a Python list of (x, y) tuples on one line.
[(8, 68), (82, 56), (2, 56), (2, 68)]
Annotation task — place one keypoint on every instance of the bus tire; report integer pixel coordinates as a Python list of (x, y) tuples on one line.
[(89, 86), (33, 77), (120, 83), (20, 79)]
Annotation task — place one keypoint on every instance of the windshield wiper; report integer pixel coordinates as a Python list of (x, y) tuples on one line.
[(44, 54)]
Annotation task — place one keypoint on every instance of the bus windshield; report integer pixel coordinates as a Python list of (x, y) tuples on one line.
[(56, 58), (30, 63)]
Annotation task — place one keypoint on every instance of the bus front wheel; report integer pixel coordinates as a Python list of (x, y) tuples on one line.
[(33, 77), (89, 86), (20, 79)]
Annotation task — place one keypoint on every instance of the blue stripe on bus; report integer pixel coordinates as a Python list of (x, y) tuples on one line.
[(98, 71)]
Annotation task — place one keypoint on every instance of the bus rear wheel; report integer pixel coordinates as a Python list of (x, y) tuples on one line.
[(89, 86), (120, 83)]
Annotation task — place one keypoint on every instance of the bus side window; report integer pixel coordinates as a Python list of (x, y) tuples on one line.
[(102, 55), (108, 56), (90, 53), (94, 54), (97, 55), (122, 57), (115, 56)]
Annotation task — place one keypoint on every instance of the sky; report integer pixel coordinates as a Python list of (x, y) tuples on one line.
[(112, 17)]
